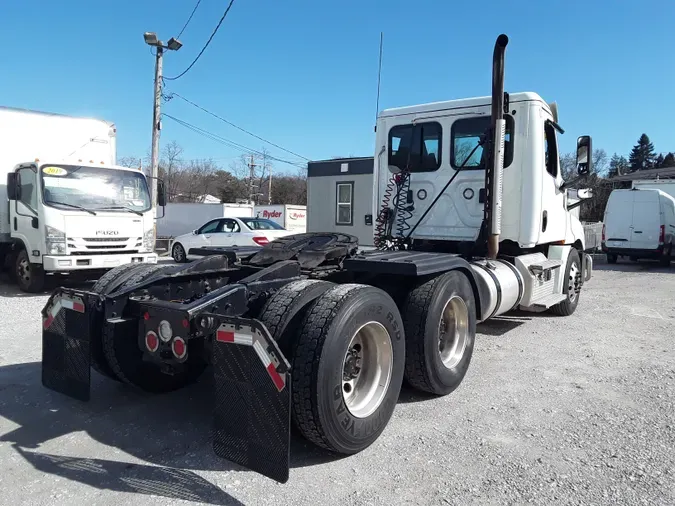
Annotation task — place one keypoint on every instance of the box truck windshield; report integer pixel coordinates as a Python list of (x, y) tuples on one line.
[(94, 188)]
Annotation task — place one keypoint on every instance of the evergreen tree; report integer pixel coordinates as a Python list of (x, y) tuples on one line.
[(618, 165), (642, 156), (659, 161), (668, 160)]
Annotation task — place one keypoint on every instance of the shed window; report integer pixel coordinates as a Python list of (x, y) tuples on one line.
[(344, 209)]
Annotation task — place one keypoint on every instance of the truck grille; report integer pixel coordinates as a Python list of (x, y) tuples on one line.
[(107, 252), (106, 239)]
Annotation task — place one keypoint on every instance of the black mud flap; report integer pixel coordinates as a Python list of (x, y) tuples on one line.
[(252, 398), (66, 326)]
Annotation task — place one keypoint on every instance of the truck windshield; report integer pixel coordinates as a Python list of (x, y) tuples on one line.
[(94, 188)]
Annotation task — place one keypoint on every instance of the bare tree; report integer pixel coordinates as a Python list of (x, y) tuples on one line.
[(132, 162), (170, 165)]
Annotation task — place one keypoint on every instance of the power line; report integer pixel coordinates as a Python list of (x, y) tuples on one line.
[(205, 45), (173, 94), (228, 142), (189, 19)]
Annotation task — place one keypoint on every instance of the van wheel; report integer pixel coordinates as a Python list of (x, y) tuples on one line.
[(666, 258), (571, 286), (612, 258), (348, 368), (30, 277), (440, 326)]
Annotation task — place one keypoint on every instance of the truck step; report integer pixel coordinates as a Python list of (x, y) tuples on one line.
[(548, 301), (544, 266)]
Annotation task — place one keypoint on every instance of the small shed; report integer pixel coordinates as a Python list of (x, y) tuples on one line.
[(340, 197)]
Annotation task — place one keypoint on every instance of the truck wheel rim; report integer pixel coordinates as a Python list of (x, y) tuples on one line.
[(453, 331), (24, 270), (367, 369), (572, 282)]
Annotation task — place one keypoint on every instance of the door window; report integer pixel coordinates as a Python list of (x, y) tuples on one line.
[(29, 188), (551, 149), (230, 226), (210, 227)]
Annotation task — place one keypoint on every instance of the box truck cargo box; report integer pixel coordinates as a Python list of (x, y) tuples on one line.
[(181, 218), (290, 217)]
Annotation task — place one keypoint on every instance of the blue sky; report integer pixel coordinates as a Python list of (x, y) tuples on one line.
[(302, 73)]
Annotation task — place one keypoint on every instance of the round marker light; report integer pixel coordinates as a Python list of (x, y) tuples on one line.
[(151, 341), (179, 347), (165, 331)]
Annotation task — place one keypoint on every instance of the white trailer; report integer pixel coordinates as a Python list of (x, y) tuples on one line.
[(64, 205), (665, 185), (181, 218), (290, 217)]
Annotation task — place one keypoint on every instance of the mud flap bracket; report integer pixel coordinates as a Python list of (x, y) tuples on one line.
[(66, 356), (252, 382)]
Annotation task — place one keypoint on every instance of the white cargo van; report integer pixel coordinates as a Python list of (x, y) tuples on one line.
[(639, 224)]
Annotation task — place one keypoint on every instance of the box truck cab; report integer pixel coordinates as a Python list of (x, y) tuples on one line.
[(639, 224), (66, 217)]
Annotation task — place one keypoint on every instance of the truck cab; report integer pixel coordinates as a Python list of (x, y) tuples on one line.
[(442, 140), (77, 216)]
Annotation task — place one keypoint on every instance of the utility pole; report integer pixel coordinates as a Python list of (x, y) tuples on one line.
[(269, 186), (156, 128), (173, 45), (251, 169)]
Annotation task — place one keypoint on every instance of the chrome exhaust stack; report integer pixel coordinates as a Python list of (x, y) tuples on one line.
[(494, 170)]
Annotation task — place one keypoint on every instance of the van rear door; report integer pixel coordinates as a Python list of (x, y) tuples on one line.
[(619, 218), (647, 220)]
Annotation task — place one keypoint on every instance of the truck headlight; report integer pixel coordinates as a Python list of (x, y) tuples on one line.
[(55, 240), (149, 240)]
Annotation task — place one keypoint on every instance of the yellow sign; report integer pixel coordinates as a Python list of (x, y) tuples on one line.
[(54, 171)]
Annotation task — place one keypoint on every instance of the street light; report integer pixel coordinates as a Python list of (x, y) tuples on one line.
[(173, 45)]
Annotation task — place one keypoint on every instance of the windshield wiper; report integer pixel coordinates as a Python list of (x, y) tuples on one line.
[(120, 207), (74, 206)]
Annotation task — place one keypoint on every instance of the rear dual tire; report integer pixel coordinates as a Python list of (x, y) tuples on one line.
[(347, 362)]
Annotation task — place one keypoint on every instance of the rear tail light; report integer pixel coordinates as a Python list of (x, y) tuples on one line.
[(151, 341), (179, 347), (261, 240), (165, 331), (603, 232), (662, 235)]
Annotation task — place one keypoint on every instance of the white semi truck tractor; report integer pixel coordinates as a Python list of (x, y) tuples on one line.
[(472, 222), (65, 206)]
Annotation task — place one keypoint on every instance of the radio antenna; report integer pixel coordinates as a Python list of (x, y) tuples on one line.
[(379, 75)]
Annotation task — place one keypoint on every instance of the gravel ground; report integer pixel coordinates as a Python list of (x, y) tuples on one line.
[(577, 410)]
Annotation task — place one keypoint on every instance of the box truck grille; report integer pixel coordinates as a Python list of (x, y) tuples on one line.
[(105, 239), (107, 252), (108, 246)]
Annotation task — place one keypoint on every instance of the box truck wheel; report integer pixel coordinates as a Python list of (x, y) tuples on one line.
[(440, 328), (30, 277), (178, 253), (126, 358), (571, 286), (347, 368)]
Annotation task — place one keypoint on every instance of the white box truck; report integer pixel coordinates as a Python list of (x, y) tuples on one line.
[(180, 218), (290, 217), (639, 224), (64, 204)]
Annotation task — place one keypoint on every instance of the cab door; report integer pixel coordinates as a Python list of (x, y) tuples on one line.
[(553, 198), (23, 213)]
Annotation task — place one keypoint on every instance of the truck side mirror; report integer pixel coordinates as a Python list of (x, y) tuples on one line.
[(161, 193), (584, 155), (13, 186)]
